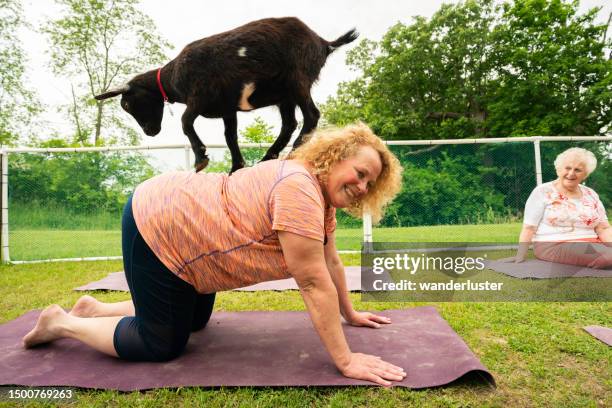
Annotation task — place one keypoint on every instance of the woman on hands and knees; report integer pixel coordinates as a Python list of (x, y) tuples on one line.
[(186, 236)]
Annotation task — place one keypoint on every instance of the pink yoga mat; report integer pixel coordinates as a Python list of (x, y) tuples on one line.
[(248, 349), (601, 333), (116, 281)]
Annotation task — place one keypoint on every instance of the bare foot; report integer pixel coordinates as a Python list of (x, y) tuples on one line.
[(86, 306), (47, 328)]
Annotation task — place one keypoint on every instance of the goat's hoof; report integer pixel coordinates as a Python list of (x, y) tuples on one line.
[(236, 167), (201, 164), (270, 157)]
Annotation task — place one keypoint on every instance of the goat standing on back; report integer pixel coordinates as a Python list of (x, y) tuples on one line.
[(266, 62)]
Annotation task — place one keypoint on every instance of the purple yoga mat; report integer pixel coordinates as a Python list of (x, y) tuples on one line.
[(116, 281), (248, 349), (537, 269), (600, 333)]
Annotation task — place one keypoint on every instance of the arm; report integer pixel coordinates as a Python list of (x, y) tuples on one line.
[(534, 211), (306, 262), (336, 270), (603, 230), (525, 239)]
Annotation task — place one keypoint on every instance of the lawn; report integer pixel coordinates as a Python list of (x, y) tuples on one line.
[(537, 352), (30, 244)]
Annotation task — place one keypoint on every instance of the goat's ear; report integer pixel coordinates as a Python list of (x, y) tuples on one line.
[(113, 92)]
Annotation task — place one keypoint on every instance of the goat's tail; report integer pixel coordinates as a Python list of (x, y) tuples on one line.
[(346, 38)]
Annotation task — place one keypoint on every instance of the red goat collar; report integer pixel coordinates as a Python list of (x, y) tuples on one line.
[(159, 85)]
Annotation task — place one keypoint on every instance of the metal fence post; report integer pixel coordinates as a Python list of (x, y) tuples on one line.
[(187, 157), (4, 236), (367, 232), (538, 160)]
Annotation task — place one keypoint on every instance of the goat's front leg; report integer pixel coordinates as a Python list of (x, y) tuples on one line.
[(287, 111), (311, 119), (231, 138), (201, 158)]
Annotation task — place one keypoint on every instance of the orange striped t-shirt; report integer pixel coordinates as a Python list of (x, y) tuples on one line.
[(219, 232)]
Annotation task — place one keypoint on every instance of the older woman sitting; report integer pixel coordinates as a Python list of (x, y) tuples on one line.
[(564, 219), (186, 236)]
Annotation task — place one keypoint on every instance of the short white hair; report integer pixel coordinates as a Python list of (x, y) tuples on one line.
[(584, 156)]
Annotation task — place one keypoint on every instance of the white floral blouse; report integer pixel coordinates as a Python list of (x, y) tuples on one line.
[(561, 218)]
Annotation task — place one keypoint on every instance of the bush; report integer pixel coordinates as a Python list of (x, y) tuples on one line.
[(80, 183), (443, 191)]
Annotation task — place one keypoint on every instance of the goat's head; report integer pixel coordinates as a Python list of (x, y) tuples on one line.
[(144, 105)]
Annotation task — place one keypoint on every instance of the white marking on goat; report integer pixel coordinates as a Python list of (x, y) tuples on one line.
[(242, 52), (247, 90)]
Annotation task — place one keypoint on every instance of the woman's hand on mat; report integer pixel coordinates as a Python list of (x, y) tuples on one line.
[(372, 368), (367, 319), (515, 259)]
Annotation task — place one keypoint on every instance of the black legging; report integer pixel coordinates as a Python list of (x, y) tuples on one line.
[(168, 309)]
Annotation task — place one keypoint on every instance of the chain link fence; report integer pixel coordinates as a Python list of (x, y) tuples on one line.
[(67, 203)]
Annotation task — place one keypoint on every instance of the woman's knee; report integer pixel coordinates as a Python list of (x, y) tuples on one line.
[(199, 323), (165, 343), (203, 310), (136, 341), (167, 352)]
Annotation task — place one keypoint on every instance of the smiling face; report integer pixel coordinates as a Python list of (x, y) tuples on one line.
[(571, 173), (351, 179)]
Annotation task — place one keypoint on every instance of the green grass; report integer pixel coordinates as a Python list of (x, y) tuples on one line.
[(43, 217), (537, 352), (44, 244), (501, 233), (588, 289), (33, 244)]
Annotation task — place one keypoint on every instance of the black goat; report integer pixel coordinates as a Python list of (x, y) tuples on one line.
[(273, 61)]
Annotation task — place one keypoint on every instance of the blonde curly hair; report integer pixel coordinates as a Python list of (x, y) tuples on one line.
[(328, 146)]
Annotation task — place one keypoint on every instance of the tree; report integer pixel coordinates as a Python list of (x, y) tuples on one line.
[(554, 77), (18, 104), (433, 194), (426, 80), (98, 44), (477, 69)]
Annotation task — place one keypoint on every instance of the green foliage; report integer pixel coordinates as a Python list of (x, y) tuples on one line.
[(51, 216), (424, 80), (18, 104), (257, 132), (98, 44), (478, 69), (599, 180), (445, 190), (553, 75), (481, 69), (81, 184)]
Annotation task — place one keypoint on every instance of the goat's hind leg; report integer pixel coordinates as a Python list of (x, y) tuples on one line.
[(287, 111), (311, 119), (231, 138), (199, 150)]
